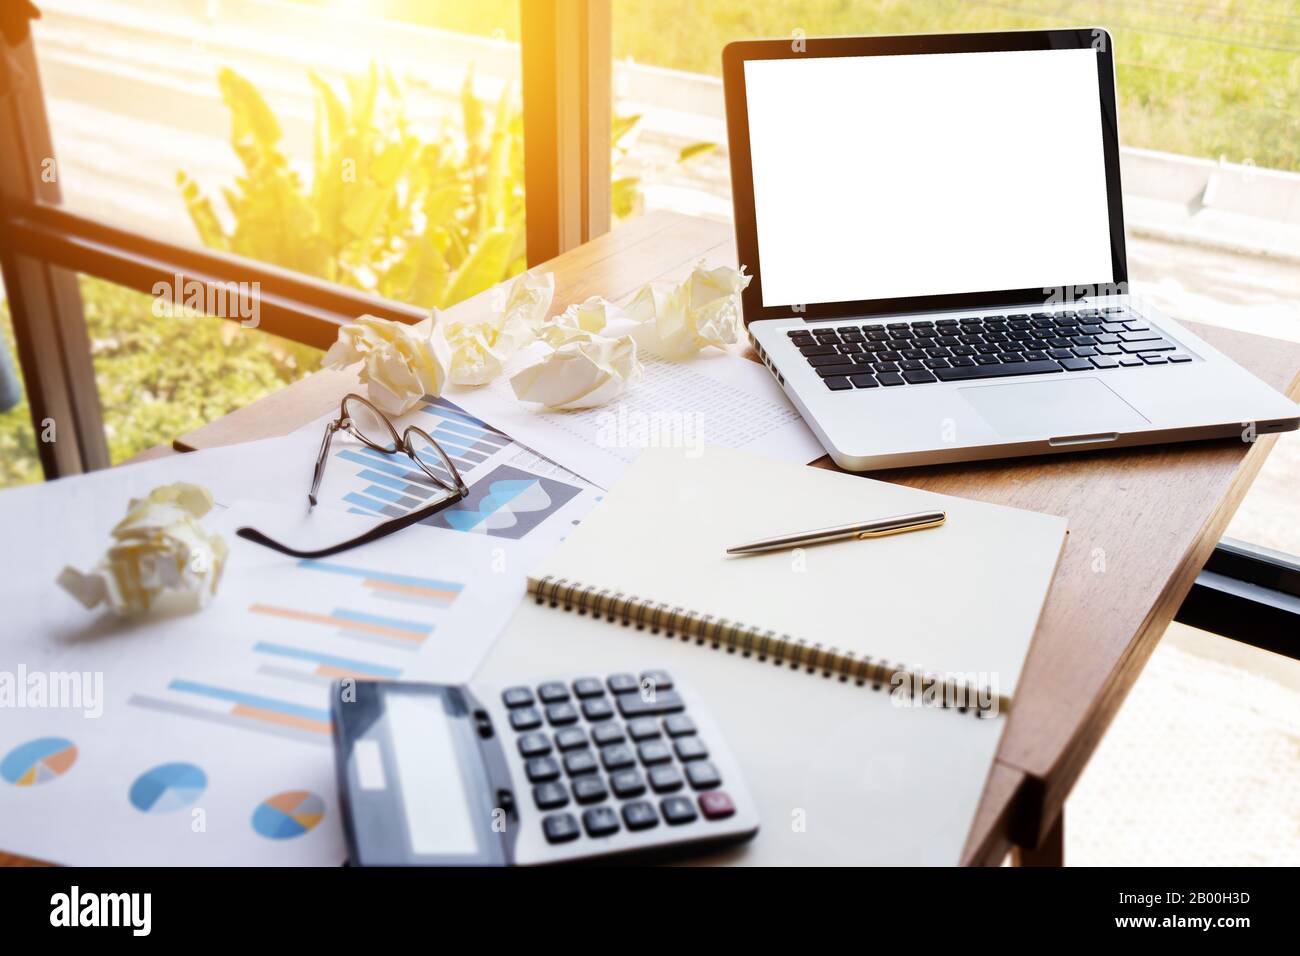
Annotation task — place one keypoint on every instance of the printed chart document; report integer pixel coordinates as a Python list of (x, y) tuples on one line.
[(204, 738), (719, 399), (513, 491)]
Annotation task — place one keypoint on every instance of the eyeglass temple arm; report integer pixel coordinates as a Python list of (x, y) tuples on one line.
[(374, 534), (321, 458)]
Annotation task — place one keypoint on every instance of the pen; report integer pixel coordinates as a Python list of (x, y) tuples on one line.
[(876, 528)]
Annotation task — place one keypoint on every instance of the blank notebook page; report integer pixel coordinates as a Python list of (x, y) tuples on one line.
[(963, 598)]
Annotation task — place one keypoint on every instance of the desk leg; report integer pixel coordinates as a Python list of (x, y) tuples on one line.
[(1051, 852)]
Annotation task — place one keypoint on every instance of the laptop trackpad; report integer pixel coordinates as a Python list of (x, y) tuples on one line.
[(1061, 408)]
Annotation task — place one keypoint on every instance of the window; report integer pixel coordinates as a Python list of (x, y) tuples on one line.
[(1194, 78), (19, 462), (163, 369), (317, 136), (325, 138)]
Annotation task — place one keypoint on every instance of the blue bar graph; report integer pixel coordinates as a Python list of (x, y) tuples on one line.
[(248, 700), (391, 485), (315, 667)]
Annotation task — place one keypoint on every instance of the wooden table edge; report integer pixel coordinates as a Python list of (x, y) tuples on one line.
[(1030, 804)]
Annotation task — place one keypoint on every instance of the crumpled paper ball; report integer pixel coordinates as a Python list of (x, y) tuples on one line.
[(400, 363), (704, 310), (159, 549), (522, 306), (479, 350), (583, 320), (584, 372), (585, 356)]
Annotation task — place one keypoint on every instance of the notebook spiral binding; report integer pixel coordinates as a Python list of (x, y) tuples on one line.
[(722, 634)]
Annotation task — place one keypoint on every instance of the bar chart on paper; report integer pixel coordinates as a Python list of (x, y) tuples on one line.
[(505, 500), (361, 602), (241, 708), (326, 621), (388, 485), (315, 667)]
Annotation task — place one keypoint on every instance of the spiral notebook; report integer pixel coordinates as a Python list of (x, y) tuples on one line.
[(948, 611)]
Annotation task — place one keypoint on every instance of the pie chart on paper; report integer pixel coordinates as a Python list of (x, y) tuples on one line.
[(38, 761), (168, 787), (288, 814)]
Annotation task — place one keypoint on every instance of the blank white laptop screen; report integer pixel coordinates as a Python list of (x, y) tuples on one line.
[(879, 177)]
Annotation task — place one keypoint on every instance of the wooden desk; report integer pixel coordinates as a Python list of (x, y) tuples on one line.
[(1142, 523)]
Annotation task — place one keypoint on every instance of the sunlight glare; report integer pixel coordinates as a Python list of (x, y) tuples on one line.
[(351, 6)]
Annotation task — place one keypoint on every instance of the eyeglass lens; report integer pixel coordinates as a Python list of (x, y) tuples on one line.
[(370, 425), (429, 457)]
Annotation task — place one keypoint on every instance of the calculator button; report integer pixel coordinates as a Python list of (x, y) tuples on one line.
[(600, 821), (525, 718), (716, 805), (562, 713), (597, 708), (560, 827), (534, 745), (660, 702), (702, 775), (617, 757), (588, 687), (579, 762), (589, 789), (542, 769), (678, 810), (640, 815), (549, 796), (659, 679), (643, 728), (678, 725), (517, 696), (690, 748), (627, 783), (570, 737), (665, 779), (653, 752), (607, 734), (552, 692), (620, 683)]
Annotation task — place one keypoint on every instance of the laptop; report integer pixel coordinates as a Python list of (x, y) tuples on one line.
[(936, 237)]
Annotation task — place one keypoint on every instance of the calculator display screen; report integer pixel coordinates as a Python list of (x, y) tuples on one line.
[(433, 776)]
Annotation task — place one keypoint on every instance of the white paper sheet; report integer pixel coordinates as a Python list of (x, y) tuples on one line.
[(230, 701), (718, 399)]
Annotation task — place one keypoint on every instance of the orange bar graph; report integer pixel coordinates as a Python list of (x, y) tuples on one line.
[(414, 590), (361, 626), (287, 720)]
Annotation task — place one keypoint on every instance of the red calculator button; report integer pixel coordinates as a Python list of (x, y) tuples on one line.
[(716, 805)]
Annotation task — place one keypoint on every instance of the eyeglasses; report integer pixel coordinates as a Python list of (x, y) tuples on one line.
[(366, 423)]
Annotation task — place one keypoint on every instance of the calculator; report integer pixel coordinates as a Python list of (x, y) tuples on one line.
[(570, 768)]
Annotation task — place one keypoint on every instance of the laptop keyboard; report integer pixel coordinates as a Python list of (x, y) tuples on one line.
[(990, 346)]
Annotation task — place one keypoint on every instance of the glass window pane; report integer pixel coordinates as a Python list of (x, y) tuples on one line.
[(1209, 131), (162, 372), (328, 137), (20, 463)]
